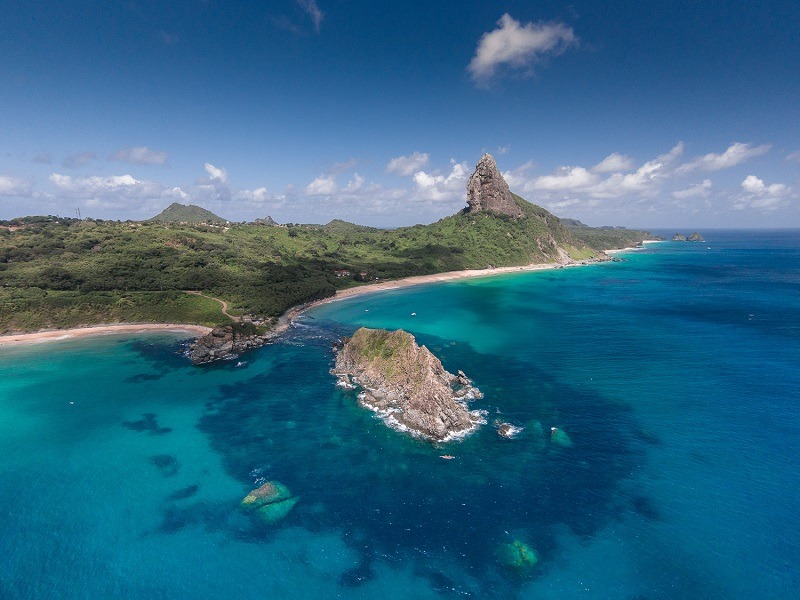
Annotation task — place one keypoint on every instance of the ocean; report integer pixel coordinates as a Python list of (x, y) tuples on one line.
[(675, 373)]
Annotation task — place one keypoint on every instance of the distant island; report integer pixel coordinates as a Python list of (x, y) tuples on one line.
[(406, 384), (59, 273), (694, 237)]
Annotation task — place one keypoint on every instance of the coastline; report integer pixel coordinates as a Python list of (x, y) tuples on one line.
[(396, 284), (54, 335), (630, 248), (286, 319)]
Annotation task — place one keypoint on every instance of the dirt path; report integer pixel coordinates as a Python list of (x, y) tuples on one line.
[(220, 300)]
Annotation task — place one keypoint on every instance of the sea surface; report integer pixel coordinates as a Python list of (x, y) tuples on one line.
[(675, 373)]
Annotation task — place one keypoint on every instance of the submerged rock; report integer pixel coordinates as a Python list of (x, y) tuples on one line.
[(517, 556), (270, 502), (559, 437), (407, 384)]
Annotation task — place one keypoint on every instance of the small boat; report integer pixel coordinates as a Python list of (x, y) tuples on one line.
[(413, 314), (447, 456)]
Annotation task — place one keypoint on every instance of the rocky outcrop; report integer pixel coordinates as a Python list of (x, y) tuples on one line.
[(406, 384), (225, 342), (694, 237), (488, 192)]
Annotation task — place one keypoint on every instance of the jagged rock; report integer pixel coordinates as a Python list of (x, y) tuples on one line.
[(695, 237), (678, 237), (266, 221), (225, 341), (407, 384), (487, 191), (506, 430)]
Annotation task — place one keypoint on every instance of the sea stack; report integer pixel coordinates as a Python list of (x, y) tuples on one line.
[(406, 384), (488, 192)]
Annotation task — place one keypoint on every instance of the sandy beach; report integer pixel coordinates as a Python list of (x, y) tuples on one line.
[(287, 318), (98, 330)]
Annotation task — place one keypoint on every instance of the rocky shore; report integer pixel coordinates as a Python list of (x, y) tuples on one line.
[(227, 342), (406, 384)]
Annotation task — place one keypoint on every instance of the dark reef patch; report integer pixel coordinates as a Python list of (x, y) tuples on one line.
[(166, 463), (141, 377), (147, 423), (184, 493)]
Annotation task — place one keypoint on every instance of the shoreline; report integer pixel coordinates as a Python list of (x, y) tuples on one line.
[(397, 284), (287, 318), (54, 335)]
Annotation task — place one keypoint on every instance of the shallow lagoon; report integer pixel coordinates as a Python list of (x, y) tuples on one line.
[(674, 373)]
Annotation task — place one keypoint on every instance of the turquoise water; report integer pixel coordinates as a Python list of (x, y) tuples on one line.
[(675, 373)]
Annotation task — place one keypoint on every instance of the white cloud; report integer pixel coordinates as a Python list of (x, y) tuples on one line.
[(518, 46), (437, 188), (794, 156), (735, 154), (324, 185), (216, 174), (256, 196), (503, 149), (113, 191), (565, 178), (757, 194), (140, 155), (354, 185), (614, 163), (313, 11), (754, 185), (696, 190), (408, 165), (13, 186)]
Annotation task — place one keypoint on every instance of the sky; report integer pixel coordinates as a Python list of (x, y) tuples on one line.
[(645, 114)]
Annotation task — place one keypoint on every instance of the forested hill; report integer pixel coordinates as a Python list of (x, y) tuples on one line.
[(66, 272)]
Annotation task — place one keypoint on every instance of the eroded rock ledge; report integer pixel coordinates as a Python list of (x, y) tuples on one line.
[(406, 384), (227, 341)]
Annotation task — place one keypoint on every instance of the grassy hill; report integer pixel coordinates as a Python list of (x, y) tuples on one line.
[(65, 272), (187, 213)]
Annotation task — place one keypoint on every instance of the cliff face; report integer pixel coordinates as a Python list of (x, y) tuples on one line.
[(406, 383), (487, 191)]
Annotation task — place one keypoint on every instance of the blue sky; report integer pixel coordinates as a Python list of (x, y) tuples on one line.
[(678, 114)]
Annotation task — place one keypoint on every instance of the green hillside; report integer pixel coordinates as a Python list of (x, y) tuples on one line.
[(65, 272), (187, 213)]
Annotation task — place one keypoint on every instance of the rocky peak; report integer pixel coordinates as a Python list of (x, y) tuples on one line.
[(487, 191)]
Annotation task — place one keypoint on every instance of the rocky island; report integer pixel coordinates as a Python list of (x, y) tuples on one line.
[(694, 237), (406, 384)]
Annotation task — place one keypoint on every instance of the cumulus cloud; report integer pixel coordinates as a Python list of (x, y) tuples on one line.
[(312, 10), (437, 187), (735, 154), (324, 185), (81, 159), (216, 174), (111, 191), (613, 163), (519, 46), (354, 185), (757, 194), (256, 196), (696, 190), (565, 178), (13, 186), (408, 165), (140, 155)]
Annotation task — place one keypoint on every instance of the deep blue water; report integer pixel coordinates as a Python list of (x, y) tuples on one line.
[(676, 373)]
